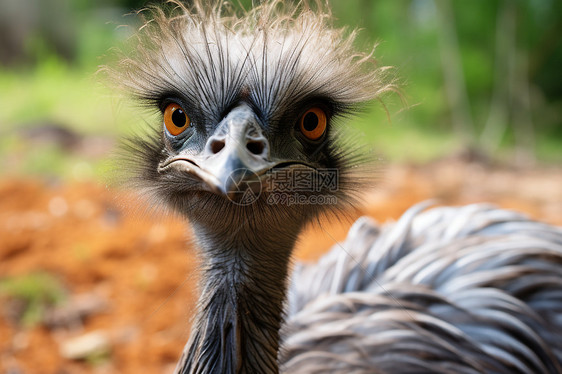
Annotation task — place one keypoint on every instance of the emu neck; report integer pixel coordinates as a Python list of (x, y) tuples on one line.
[(241, 304)]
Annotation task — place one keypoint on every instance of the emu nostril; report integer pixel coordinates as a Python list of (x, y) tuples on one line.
[(255, 147), (216, 146)]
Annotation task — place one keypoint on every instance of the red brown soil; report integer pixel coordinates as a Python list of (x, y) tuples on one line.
[(92, 240)]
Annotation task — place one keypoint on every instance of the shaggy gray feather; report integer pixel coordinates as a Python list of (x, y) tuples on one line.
[(449, 290)]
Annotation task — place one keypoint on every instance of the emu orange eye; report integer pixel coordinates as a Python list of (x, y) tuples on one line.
[(313, 123), (175, 119)]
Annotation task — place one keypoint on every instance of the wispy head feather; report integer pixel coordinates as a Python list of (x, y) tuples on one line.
[(277, 53)]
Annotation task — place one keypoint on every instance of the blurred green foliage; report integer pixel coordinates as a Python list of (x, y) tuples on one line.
[(507, 77)]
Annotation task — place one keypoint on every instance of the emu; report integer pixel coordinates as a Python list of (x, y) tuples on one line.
[(247, 98)]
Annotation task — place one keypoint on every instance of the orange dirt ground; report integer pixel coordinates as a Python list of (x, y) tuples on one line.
[(141, 274)]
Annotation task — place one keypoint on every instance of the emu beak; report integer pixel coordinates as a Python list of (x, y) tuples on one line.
[(236, 155), (234, 159), (234, 169)]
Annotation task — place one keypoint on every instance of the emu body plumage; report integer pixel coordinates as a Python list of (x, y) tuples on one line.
[(449, 290), (473, 289)]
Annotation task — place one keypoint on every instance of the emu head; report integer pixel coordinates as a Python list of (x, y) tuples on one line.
[(244, 98)]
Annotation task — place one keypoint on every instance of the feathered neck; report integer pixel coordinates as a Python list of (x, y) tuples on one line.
[(243, 289)]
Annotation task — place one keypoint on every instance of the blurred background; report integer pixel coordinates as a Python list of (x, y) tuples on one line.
[(88, 286)]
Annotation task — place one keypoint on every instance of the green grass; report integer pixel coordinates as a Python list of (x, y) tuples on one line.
[(399, 138), (55, 92), (37, 292), (21, 158)]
